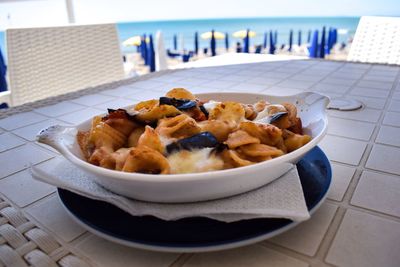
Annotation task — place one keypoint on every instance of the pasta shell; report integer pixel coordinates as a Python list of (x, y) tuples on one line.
[(180, 93), (260, 150), (178, 127), (268, 134), (150, 138), (231, 112), (146, 160), (240, 138), (156, 113), (220, 129)]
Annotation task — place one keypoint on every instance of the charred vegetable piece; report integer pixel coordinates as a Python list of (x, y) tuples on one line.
[(118, 114), (181, 104), (274, 117), (204, 110), (201, 140)]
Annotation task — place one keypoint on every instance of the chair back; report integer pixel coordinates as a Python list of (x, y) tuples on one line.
[(45, 62), (377, 40), (160, 53)]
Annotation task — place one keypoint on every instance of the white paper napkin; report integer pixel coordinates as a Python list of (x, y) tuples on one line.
[(283, 198)]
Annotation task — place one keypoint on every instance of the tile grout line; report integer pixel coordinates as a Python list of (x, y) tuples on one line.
[(345, 204)]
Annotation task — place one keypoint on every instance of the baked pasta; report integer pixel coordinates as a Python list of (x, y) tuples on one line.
[(179, 133)]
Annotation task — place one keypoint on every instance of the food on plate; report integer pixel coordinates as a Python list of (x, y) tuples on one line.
[(179, 133)]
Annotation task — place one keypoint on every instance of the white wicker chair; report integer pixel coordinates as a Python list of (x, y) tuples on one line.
[(44, 62), (377, 40)]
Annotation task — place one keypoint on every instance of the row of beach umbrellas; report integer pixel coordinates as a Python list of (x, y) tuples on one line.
[(318, 47)]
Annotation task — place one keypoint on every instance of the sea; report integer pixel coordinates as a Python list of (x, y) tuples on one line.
[(185, 29)]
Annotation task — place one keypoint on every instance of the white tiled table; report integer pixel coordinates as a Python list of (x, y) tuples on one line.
[(358, 225)]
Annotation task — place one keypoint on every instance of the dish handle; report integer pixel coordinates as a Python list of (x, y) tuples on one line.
[(58, 137)]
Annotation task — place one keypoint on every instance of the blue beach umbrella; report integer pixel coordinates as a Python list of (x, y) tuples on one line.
[(334, 38), (299, 39), (213, 44), (246, 42), (271, 43), (322, 45), (175, 42), (151, 59), (226, 41), (276, 38), (314, 45), (143, 49), (290, 40), (3, 70), (265, 40), (196, 43), (328, 45), (309, 36)]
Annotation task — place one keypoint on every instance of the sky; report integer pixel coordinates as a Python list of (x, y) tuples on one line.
[(27, 13)]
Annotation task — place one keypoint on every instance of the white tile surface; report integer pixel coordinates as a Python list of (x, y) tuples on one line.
[(378, 78), (59, 109), (105, 253), (394, 105), (370, 92), (8, 141), (380, 192), (396, 95), (276, 90), (167, 78), (120, 91), (339, 81), (219, 84), (21, 119), (364, 114), (385, 73), (80, 116), (249, 73), (247, 87), (384, 158), (365, 240), (265, 81), (392, 118), (305, 77), (210, 75), (375, 84), (370, 102), (342, 149), (50, 213), (115, 104), (149, 84), (341, 177), (389, 135), (235, 78), (29, 132), (350, 128), (254, 256), (303, 85), (306, 237), (188, 82), (91, 100), (346, 75), (334, 88), (20, 158), (33, 190), (144, 95)]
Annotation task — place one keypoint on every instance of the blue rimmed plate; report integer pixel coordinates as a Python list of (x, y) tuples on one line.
[(195, 234)]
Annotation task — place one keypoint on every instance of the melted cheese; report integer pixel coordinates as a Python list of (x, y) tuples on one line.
[(199, 160)]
